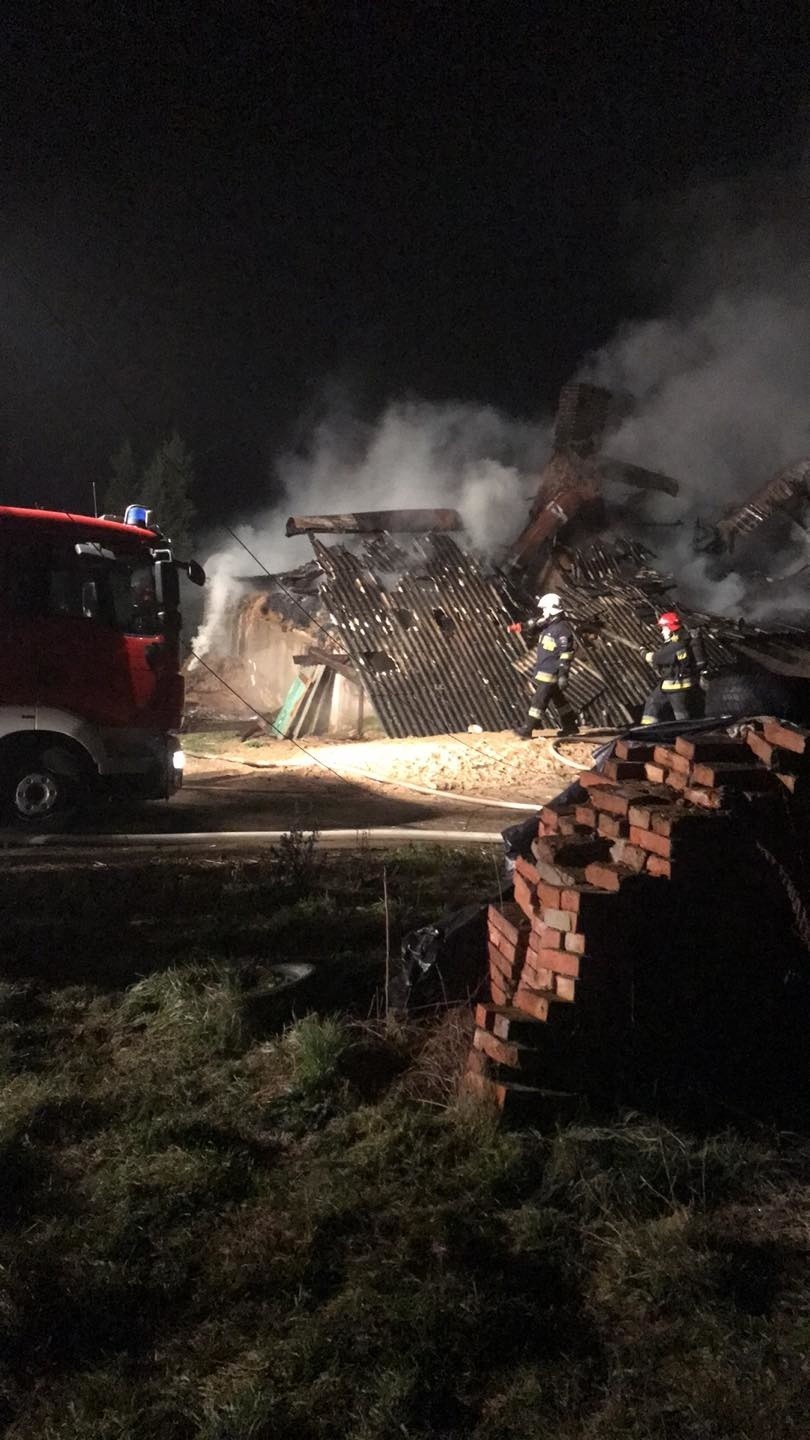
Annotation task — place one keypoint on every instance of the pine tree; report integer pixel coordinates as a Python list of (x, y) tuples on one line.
[(166, 487), (123, 487)]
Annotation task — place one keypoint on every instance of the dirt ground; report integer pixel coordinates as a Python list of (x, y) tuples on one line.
[(474, 784), (247, 784)]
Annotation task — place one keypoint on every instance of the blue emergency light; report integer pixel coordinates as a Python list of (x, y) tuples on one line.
[(138, 515)]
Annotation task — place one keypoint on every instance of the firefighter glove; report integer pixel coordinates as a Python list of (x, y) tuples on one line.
[(704, 680), (515, 629), (562, 679), (648, 656)]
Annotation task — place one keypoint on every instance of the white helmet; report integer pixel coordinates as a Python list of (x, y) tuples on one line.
[(549, 606)]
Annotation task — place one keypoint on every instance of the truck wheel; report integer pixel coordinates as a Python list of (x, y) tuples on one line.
[(40, 796)]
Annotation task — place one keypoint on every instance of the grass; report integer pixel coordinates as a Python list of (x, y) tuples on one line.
[(213, 1233)]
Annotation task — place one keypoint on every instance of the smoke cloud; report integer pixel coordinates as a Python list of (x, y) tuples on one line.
[(720, 383), (472, 459), (719, 379)]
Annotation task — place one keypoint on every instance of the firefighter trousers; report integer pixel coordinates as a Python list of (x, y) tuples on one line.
[(546, 693), (664, 704)]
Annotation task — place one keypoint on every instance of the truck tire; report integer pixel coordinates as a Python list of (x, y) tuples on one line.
[(757, 692), (41, 791)]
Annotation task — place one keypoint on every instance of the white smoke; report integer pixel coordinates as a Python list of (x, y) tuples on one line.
[(472, 459), (721, 383)]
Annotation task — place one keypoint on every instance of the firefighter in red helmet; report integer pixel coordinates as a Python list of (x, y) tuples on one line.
[(677, 695)]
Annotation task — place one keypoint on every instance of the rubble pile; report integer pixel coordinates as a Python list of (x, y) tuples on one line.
[(658, 935)]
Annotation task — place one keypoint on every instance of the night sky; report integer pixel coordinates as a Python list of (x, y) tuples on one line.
[(222, 220)]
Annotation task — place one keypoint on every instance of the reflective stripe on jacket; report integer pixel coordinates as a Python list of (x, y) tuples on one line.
[(677, 658), (555, 649)]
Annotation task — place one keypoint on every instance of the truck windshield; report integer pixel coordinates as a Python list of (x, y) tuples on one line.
[(117, 590)]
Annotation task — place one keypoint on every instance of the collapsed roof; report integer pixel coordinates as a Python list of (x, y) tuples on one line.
[(418, 621)]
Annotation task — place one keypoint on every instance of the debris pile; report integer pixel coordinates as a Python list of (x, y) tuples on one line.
[(399, 627), (659, 934)]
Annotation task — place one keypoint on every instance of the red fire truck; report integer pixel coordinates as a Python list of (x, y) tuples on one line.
[(91, 695)]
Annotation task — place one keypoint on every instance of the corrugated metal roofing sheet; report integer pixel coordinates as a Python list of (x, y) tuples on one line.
[(426, 629)]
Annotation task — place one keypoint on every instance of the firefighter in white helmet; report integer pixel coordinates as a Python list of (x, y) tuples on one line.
[(555, 651)]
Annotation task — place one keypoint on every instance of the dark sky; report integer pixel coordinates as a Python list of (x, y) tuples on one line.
[(214, 219)]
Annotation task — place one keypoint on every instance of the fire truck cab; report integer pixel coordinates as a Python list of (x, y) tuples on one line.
[(91, 694)]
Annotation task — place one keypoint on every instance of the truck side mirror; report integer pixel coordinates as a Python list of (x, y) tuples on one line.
[(167, 586), (195, 572)]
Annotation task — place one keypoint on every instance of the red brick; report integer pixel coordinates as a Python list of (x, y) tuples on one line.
[(505, 1052), (742, 777), (513, 1024), (574, 943), (606, 877), (678, 781), (537, 977), (706, 799), (656, 773), (550, 896), (549, 958), (648, 840), (613, 826), (633, 750), (545, 936), (594, 780), (565, 986), (776, 758), (508, 919), (499, 992), (623, 769), (570, 899), (527, 871), (560, 919), (788, 737), (536, 1003), (584, 901), (570, 827), (586, 815), (623, 853), (660, 868), (526, 896), (549, 818), (709, 746), (614, 802), (501, 965), (569, 964), (664, 755), (677, 821), (484, 1015)]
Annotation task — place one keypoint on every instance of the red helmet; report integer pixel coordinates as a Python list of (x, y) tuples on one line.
[(669, 620)]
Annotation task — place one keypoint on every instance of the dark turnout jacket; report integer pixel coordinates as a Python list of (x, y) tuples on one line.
[(677, 660), (555, 649)]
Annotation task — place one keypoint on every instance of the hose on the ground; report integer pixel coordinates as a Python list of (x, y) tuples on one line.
[(221, 839)]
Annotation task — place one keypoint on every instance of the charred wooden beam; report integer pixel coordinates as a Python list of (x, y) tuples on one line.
[(373, 522), (341, 664), (636, 475), (787, 489)]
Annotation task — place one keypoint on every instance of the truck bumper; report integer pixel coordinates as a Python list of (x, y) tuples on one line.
[(139, 763)]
